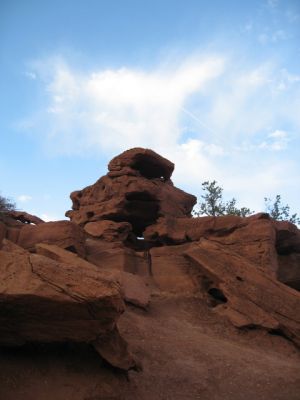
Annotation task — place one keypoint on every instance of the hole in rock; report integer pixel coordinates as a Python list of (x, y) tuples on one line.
[(288, 270), (285, 242), (72, 249), (239, 279), (138, 243), (276, 332), (150, 167), (141, 210), (218, 296), (90, 214), (140, 196)]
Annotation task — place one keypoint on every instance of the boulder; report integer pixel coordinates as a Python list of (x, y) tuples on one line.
[(25, 218), (287, 237), (138, 198), (133, 287), (145, 162), (115, 256), (9, 227), (43, 300), (253, 238), (62, 233), (171, 271), (109, 231), (246, 295), (289, 270)]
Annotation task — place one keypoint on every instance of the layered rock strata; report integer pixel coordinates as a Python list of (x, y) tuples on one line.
[(136, 190), (45, 300), (130, 236)]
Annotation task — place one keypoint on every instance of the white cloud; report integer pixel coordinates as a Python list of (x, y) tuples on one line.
[(278, 134), (276, 141), (24, 198), (212, 118), (124, 106)]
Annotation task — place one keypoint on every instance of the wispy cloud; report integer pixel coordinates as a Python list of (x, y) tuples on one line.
[(276, 141), (108, 108), (208, 114)]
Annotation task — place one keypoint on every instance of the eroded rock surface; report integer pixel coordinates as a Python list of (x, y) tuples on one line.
[(138, 197), (132, 245), (62, 233), (143, 162), (26, 218), (43, 300), (246, 295)]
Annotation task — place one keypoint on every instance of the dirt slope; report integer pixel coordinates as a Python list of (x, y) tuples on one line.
[(187, 352)]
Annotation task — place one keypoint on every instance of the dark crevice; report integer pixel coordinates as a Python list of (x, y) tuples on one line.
[(277, 332), (72, 249), (140, 196), (149, 167), (141, 210), (239, 278), (217, 295)]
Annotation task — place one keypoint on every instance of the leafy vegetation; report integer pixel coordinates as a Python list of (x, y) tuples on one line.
[(212, 204), (6, 205), (279, 211)]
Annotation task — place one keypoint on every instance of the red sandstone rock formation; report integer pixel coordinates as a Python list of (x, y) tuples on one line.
[(67, 280), (43, 300), (24, 217), (137, 190)]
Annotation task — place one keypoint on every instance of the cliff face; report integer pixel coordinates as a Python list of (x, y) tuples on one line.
[(133, 267)]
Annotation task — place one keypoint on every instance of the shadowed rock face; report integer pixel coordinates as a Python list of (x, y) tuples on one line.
[(137, 189), (69, 281), (45, 300), (142, 162)]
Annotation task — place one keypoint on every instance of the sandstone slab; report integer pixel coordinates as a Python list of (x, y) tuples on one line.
[(253, 238), (25, 217), (109, 231), (62, 233), (243, 293), (133, 288), (43, 300)]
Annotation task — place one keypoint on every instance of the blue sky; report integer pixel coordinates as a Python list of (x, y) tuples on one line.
[(213, 86)]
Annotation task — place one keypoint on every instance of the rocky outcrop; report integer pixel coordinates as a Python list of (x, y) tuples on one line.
[(131, 239), (243, 293), (141, 162), (62, 233), (136, 190), (133, 289), (253, 238), (109, 231), (9, 228), (43, 300), (24, 217)]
